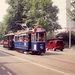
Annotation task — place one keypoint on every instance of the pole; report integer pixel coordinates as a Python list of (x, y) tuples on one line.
[(69, 37)]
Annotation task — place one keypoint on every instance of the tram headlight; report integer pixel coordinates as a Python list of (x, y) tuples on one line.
[(34, 46)]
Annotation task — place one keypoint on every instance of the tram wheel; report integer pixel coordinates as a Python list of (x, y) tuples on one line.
[(39, 53), (21, 51)]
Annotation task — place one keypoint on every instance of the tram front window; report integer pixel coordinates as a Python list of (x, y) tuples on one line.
[(40, 36)]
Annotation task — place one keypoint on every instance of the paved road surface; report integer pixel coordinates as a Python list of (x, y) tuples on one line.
[(50, 63)]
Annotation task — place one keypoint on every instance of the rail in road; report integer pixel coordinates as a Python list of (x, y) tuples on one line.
[(50, 63)]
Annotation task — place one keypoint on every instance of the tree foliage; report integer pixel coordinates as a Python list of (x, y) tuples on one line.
[(71, 12), (32, 12), (2, 30)]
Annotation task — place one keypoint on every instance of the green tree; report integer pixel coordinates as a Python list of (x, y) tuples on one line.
[(2, 30), (71, 12), (42, 13), (32, 12), (14, 16)]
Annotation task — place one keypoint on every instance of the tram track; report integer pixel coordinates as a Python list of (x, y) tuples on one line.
[(56, 60)]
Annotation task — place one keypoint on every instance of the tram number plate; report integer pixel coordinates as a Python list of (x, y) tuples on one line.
[(41, 46)]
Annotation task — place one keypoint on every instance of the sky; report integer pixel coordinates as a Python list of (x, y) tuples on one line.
[(60, 3), (3, 8), (62, 11)]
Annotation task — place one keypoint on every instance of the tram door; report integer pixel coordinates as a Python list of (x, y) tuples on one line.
[(10, 43), (29, 41)]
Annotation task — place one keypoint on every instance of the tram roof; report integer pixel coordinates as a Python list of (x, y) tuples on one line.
[(19, 34), (9, 34), (41, 31)]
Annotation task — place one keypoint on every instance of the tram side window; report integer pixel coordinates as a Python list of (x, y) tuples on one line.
[(11, 37), (37, 36), (25, 38), (16, 38), (20, 38), (5, 38), (33, 38)]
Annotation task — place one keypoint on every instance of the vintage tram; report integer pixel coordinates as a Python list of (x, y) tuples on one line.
[(28, 40)]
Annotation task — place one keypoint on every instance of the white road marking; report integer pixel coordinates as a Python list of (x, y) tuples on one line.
[(9, 73), (42, 66), (3, 68)]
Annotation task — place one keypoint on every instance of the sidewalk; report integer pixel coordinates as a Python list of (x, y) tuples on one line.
[(67, 49)]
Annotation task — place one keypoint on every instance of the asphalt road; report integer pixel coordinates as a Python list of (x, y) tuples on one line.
[(50, 63)]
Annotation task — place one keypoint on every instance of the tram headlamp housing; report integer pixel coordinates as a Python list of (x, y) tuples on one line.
[(34, 46)]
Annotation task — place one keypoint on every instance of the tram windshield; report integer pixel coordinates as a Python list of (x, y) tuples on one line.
[(40, 36)]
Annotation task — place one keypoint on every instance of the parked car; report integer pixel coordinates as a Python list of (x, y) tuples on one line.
[(55, 45)]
